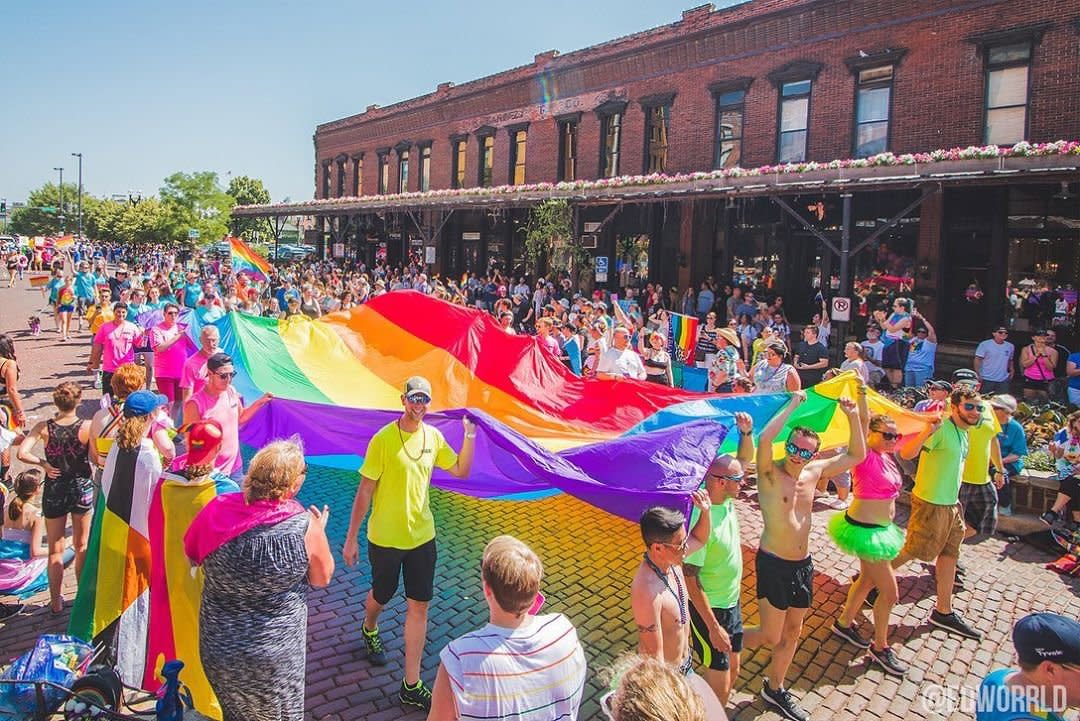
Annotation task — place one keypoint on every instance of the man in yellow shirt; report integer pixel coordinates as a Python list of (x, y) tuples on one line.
[(394, 482), (978, 495)]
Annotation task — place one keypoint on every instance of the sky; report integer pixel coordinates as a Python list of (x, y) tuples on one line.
[(146, 89)]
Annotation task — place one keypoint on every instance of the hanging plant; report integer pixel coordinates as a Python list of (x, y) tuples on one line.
[(550, 224)]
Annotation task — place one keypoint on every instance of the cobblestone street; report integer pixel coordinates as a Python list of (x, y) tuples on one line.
[(589, 558)]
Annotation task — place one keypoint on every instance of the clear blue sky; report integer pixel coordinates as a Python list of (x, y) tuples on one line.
[(144, 89)]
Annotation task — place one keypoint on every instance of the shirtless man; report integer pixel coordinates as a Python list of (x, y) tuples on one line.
[(658, 594), (785, 572)]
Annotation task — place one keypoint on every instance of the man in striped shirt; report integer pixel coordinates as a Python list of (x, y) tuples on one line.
[(521, 666)]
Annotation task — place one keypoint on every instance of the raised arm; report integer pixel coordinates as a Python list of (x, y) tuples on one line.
[(699, 534), (744, 423), (911, 449), (856, 448), (772, 430)]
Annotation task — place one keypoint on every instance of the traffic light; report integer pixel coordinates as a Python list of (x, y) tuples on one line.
[(3, 207)]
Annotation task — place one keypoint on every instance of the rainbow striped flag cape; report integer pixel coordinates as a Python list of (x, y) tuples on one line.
[(246, 260), (682, 336)]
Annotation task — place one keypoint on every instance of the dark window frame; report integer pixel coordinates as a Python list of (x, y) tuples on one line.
[(485, 172), (569, 123), (514, 160), (794, 72), (339, 174), (424, 176), (988, 69), (869, 61), (459, 153), (383, 183), (985, 42), (326, 181), (358, 174), (649, 105), (718, 91)]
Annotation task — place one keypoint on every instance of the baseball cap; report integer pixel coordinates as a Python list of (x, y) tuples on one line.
[(965, 376), (1004, 401), (1042, 637), (938, 384), (203, 441), (141, 403), (218, 360), (417, 385)]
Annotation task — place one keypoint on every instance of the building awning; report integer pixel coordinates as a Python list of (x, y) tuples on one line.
[(1051, 162)]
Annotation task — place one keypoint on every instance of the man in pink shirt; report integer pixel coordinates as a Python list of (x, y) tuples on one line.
[(114, 345), (167, 339), (219, 401), (193, 373)]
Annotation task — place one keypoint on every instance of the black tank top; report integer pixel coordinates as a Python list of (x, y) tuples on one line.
[(66, 452)]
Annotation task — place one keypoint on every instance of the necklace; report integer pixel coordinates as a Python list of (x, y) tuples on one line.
[(423, 449), (680, 596)]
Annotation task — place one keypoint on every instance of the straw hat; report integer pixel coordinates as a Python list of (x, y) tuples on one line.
[(729, 335)]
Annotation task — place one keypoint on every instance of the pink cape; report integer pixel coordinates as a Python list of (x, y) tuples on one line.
[(228, 516)]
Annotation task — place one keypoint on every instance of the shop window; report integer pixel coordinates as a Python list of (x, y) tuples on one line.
[(384, 173), (425, 168), (568, 132), (727, 151), (610, 136), (794, 121), (873, 102), (518, 140), (657, 127), (1007, 76), (487, 160), (403, 171), (457, 159)]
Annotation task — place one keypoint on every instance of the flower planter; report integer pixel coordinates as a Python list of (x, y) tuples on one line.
[(974, 165), (1033, 162)]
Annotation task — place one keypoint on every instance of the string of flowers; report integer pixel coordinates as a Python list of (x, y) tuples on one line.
[(1022, 149)]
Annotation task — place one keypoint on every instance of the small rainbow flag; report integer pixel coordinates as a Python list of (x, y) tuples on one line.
[(39, 281), (246, 260), (64, 243), (682, 336)]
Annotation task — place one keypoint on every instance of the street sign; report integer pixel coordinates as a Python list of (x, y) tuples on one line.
[(841, 309), (193, 234), (601, 268), (339, 250), (429, 254)]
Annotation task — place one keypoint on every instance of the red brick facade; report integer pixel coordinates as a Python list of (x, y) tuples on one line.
[(937, 97)]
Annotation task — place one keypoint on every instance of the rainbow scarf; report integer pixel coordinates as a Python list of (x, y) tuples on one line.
[(246, 260), (682, 336)]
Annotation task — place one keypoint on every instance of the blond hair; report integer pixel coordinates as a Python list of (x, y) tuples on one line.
[(131, 431), (651, 690), (274, 470), (513, 572)]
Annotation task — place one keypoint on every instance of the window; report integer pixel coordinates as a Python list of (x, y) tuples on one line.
[(794, 115), (518, 140), (487, 160), (729, 128), (873, 99), (657, 122), (403, 171), (425, 168), (341, 177), (1007, 69), (384, 173), (358, 175), (326, 180), (610, 135), (457, 160), (568, 132)]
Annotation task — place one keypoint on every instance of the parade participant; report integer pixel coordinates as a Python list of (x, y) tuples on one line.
[(220, 401), (193, 374), (785, 570), (867, 531), (657, 594), (1066, 450), (545, 336), (168, 341), (772, 374), (85, 291), (994, 362), (937, 392), (191, 292), (571, 348), (922, 353), (114, 344), (12, 413), (935, 527), (51, 291), (520, 662), (203, 442), (656, 359), (897, 328), (620, 360), (714, 573), (102, 312), (395, 485), (128, 378), (1048, 679), (853, 361), (650, 690), (978, 495), (69, 489), (727, 364), (1013, 442), (65, 306), (506, 322)]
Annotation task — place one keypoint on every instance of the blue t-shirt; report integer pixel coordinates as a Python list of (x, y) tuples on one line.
[(705, 301), (192, 294), (1074, 382), (921, 356), (573, 352), (996, 702), (85, 285), (282, 296), (1013, 440)]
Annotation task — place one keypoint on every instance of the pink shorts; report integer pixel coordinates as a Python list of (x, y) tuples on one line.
[(169, 387)]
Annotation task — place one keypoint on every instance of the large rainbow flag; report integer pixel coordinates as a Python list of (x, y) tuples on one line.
[(682, 336), (246, 260)]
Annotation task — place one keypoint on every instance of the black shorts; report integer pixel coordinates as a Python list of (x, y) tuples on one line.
[(62, 496), (784, 584), (980, 502), (1034, 385), (731, 621), (416, 564)]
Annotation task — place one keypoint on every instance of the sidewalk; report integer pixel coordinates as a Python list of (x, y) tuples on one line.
[(589, 559)]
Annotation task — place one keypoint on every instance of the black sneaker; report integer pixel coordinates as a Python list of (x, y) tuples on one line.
[(888, 661), (850, 634), (375, 651), (418, 695), (1049, 518), (954, 624), (7, 610), (784, 704)]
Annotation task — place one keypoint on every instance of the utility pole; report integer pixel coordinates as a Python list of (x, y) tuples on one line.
[(79, 156), (61, 208)]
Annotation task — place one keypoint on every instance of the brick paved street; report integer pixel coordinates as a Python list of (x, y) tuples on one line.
[(589, 558)]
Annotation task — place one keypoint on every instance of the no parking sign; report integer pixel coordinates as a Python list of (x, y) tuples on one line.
[(841, 309)]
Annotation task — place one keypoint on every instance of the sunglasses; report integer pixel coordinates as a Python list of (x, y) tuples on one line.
[(888, 435), (736, 479), (418, 398), (172, 312), (793, 450), (680, 547), (226, 376), (973, 407)]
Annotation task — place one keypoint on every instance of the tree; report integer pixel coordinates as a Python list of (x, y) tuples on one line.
[(195, 200), (32, 220), (147, 221), (549, 239), (248, 191)]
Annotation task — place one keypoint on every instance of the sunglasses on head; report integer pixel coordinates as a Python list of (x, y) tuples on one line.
[(973, 407), (888, 435), (794, 450)]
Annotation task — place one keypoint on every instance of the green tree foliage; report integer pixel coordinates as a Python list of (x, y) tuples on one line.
[(147, 221), (196, 200), (31, 220), (249, 191), (550, 241)]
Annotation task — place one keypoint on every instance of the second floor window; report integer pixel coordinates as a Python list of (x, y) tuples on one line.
[(425, 168), (384, 173), (1007, 70), (872, 102), (403, 171), (729, 129), (568, 132), (358, 175), (457, 160), (517, 157), (794, 121), (340, 178), (487, 160), (610, 137), (326, 180), (657, 125)]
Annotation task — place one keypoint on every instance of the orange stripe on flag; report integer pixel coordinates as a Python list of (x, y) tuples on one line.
[(39, 281)]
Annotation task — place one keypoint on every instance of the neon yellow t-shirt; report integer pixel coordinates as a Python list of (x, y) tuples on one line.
[(720, 558), (938, 479), (980, 438), (401, 464)]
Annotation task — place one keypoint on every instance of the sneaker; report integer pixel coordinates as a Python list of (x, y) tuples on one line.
[(375, 651), (418, 695), (888, 661), (850, 634), (782, 701), (1049, 518), (954, 624), (7, 610), (1006, 511)]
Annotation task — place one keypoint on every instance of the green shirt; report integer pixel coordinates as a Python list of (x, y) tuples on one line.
[(401, 464), (938, 479), (980, 437), (720, 558)]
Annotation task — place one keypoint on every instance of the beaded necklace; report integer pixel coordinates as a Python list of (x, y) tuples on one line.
[(680, 596)]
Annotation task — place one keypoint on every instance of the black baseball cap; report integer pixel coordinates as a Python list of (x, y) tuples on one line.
[(218, 361), (1042, 637)]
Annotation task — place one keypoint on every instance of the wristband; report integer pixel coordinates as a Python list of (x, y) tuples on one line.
[(746, 433), (471, 435)]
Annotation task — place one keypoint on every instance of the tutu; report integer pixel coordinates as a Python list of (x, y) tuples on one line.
[(868, 543)]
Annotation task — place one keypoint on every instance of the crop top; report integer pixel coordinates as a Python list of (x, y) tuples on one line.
[(877, 478)]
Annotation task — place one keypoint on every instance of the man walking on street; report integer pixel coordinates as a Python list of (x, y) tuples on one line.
[(395, 482)]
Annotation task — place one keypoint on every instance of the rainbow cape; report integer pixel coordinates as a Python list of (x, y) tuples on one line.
[(682, 336), (246, 260)]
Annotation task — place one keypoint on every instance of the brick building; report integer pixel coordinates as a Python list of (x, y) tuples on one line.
[(762, 82)]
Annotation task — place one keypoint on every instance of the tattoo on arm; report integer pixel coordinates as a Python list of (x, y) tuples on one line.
[(651, 628)]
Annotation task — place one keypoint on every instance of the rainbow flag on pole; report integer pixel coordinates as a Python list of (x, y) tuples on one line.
[(65, 242), (246, 260), (682, 336)]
